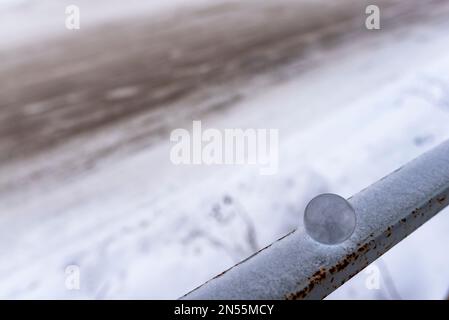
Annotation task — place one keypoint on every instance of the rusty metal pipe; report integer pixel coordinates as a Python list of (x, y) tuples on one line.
[(297, 267)]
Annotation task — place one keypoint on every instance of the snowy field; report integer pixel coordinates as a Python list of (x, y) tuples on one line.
[(351, 106)]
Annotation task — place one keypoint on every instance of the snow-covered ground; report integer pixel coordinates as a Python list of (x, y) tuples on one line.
[(140, 227)]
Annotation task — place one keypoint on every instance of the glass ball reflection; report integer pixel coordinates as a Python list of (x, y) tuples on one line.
[(329, 219)]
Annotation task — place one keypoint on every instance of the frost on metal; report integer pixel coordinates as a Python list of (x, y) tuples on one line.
[(297, 267)]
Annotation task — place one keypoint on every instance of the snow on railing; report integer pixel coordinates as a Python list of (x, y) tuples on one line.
[(298, 267)]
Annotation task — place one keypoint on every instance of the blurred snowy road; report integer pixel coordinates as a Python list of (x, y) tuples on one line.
[(85, 176)]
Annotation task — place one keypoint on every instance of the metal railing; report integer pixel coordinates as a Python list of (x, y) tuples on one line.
[(297, 267)]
